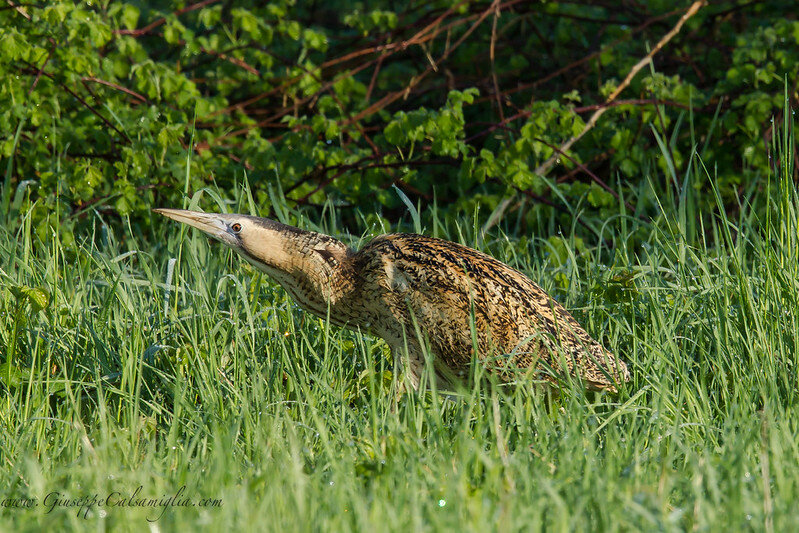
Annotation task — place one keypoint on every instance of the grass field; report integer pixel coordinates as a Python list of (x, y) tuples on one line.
[(142, 366)]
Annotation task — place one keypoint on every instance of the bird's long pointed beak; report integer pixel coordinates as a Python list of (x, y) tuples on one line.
[(212, 224)]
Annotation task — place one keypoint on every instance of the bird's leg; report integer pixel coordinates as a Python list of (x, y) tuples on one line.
[(408, 363)]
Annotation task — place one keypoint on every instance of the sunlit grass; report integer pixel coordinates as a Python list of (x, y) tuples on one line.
[(159, 361)]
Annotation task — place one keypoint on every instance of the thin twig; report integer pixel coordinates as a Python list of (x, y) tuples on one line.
[(383, 102), (115, 86), (424, 35), (418, 38), (546, 165), (527, 113), (496, 216), (230, 59), (85, 104), (374, 78), (95, 112), (393, 97), (540, 81), (342, 169), (20, 9), (585, 169), (497, 93), (151, 26), (41, 69)]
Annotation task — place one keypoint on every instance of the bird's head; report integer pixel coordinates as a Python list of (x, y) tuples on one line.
[(303, 262)]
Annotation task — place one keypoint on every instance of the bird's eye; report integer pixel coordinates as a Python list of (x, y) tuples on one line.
[(236, 227)]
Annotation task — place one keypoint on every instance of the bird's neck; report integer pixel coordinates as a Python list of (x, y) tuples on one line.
[(317, 287), (314, 271)]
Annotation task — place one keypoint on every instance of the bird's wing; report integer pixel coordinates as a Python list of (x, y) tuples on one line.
[(458, 297)]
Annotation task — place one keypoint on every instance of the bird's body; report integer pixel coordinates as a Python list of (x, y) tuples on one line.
[(416, 292)]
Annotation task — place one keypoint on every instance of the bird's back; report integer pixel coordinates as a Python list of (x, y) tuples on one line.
[(457, 295)]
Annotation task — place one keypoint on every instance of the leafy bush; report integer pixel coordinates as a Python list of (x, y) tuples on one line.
[(118, 106)]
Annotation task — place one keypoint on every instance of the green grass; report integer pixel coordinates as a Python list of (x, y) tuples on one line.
[(156, 360)]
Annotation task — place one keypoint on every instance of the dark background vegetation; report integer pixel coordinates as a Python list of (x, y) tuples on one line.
[(464, 104)]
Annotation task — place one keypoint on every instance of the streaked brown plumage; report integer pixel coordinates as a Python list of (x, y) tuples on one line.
[(411, 289)]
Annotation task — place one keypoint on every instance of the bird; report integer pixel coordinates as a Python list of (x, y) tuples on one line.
[(434, 302)]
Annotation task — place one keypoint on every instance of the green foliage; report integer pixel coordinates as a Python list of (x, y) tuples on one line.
[(114, 99)]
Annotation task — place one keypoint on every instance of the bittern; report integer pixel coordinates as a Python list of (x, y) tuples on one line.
[(422, 296)]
